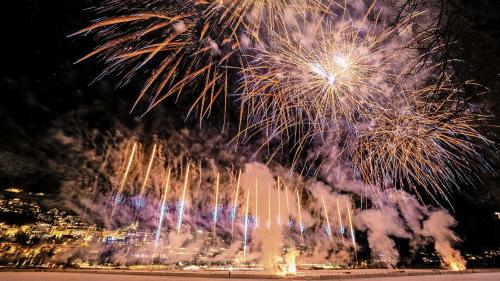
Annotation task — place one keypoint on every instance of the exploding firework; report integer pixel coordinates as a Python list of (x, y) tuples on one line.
[(419, 151), (326, 72), (183, 43), (351, 85)]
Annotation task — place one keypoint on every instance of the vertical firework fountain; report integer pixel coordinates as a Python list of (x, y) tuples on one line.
[(353, 236), (299, 210), (328, 227), (162, 211), (118, 195), (269, 246), (140, 200), (245, 229), (183, 200), (216, 203), (235, 203)]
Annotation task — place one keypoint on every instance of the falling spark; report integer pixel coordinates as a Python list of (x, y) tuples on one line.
[(162, 210), (246, 226), (235, 203), (216, 203), (124, 180), (329, 228), (181, 210)]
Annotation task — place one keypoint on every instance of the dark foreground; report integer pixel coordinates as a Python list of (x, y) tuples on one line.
[(411, 275)]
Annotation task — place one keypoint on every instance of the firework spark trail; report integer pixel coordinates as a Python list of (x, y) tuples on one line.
[(245, 229), (162, 211), (124, 180), (329, 228), (256, 204), (353, 237), (299, 209), (184, 44), (341, 225), (146, 177), (279, 201), (287, 205), (268, 224), (235, 203), (427, 157), (183, 201), (216, 203)]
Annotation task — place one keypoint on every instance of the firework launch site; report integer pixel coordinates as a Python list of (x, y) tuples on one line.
[(149, 275)]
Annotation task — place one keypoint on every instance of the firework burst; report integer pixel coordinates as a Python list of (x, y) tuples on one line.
[(183, 44), (330, 72), (420, 149), (314, 81)]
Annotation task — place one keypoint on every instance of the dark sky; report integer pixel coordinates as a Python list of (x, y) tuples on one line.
[(43, 90)]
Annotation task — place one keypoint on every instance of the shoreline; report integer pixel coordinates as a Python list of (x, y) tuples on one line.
[(301, 275)]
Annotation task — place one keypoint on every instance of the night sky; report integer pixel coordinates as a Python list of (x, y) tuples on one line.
[(43, 91)]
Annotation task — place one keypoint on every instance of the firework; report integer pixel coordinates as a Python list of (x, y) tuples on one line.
[(146, 177), (299, 209), (341, 225), (339, 84), (162, 209), (279, 202), (266, 241), (419, 150), (256, 204), (287, 205), (124, 180), (235, 203), (307, 83), (216, 202), (183, 200), (245, 228), (328, 227), (306, 72), (268, 224), (353, 237), (183, 43)]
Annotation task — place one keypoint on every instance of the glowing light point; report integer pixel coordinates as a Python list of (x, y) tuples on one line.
[(341, 61)]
